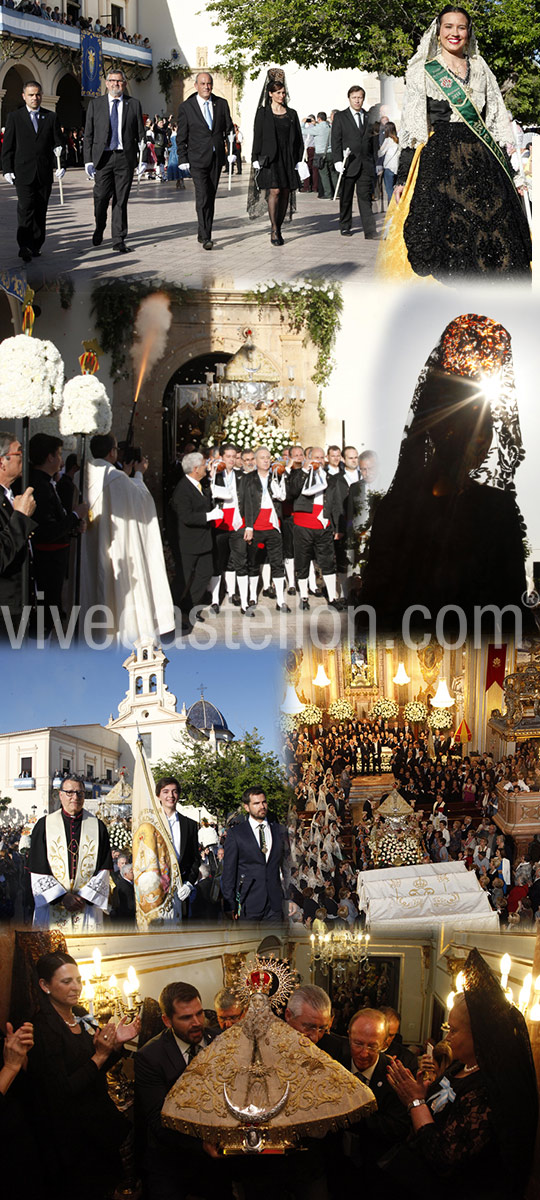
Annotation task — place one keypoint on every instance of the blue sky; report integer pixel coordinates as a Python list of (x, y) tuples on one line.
[(76, 686)]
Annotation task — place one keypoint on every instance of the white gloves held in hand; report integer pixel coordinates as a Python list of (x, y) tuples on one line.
[(303, 170), (90, 170), (215, 514), (184, 891)]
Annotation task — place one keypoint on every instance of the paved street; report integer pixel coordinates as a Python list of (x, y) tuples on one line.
[(163, 239)]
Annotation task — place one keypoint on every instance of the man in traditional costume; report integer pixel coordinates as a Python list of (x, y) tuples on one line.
[(123, 565), (70, 861)]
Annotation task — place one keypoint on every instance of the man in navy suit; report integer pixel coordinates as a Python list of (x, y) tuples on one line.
[(28, 161), (352, 130), (113, 132), (173, 1164), (204, 122), (371, 1138), (256, 859)]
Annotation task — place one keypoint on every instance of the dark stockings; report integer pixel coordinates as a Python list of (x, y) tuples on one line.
[(278, 201)]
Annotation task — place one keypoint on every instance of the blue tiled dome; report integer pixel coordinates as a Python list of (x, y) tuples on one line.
[(206, 716)]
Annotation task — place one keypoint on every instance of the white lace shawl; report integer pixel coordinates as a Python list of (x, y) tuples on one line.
[(482, 87)]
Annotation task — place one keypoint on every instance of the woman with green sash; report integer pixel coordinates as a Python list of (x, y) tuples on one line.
[(456, 198)]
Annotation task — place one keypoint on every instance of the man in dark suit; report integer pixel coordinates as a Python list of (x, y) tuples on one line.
[(351, 129), (193, 536), (55, 526), (113, 132), (389, 1125), (184, 835), (173, 1164), (16, 526), (309, 1011), (28, 162), (204, 122), (256, 856)]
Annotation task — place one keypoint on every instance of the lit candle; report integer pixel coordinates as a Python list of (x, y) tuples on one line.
[(97, 963), (506, 963), (450, 1001)]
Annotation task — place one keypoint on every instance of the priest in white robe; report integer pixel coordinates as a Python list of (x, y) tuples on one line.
[(70, 864), (123, 567)]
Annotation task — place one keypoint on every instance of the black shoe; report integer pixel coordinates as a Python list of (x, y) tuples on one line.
[(251, 604), (291, 591), (200, 618), (121, 248), (304, 605), (280, 239), (208, 245), (346, 232), (97, 237), (234, 600), (249, 611), (317, 592), (270, 592), (25, 254), (36, 253), (340, 605), (214, 608), (274, 239), (284, 608)]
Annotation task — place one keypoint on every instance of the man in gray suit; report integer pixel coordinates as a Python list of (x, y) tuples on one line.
[(113, 132)]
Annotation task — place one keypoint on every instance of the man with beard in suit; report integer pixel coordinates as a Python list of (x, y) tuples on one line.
[(16, 526), (184, 836), (367, 1141), (112, 135), (174, 1165), (204, 122), (351, 129), (256, 862), (28, 160)]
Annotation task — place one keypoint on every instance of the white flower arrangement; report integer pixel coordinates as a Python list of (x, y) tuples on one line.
[(241, 429), (86, 407), (119, 836), (385, 708), (311, 715), (287, 723), (342, 710), (31, 378), (415, 710), (440, 718), (396, 850)]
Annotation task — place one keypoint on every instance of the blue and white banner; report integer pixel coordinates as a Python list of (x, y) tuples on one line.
[(91, 64)]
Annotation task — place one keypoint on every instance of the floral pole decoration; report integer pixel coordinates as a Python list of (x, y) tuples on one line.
[(86, 410), (311, 715), (31, 386), (440, 718), (415, 711), (385, 708)]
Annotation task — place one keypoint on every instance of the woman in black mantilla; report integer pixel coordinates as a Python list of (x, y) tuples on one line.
[(78, 1127), (449, 531), (278, 148), (473, 1131), (456, 210)]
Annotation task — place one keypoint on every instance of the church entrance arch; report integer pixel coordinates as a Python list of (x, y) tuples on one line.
[(14, 81), (69, 108), (186, 417)]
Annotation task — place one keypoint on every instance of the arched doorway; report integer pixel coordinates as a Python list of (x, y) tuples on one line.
[(184, 423), (69, 108), (14, 81)]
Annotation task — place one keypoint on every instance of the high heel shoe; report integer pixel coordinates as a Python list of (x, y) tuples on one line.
[(274, 238)]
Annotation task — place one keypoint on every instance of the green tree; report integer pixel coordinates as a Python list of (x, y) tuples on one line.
[(4, 801), (218, 781), (378, 37)]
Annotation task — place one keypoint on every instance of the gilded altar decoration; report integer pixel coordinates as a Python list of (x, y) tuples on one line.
[(261, 1085), (522, 702)]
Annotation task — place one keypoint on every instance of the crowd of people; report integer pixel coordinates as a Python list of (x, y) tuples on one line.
[(439, 1118), (34, 8), (239, 526), (329, 851)]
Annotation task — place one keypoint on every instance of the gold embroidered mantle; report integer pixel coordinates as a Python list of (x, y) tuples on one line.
[(57, 850)]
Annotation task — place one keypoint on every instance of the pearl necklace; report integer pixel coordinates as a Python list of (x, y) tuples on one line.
[(468, 1069), (71, 1024)]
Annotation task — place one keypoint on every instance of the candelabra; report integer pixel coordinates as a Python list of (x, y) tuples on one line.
[(107, 998), (220, 401), (528, 1000), (292, 401), (339, 949)]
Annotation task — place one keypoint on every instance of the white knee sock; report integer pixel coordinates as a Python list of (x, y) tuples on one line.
[(303, 588), (253, 586), (312, 580), (214, 587), (289, 571), (230, 582), (330, 584), (266, 575), (243, 590), (280, 589)]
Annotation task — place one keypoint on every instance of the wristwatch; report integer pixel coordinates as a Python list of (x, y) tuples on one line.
[(415, 1104)]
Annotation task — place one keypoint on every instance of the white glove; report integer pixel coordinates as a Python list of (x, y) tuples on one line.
[(59, 174), (9, 177), (58, 150), (141, 169), (256, 165), (215, 514), (142, 145), (184, 891), (183, 166), (340, 167), (303, 170), (90, 170), (231, 158)]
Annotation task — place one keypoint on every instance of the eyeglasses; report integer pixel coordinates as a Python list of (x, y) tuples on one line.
[(77, 793), (306, 1028), (373, 1046)]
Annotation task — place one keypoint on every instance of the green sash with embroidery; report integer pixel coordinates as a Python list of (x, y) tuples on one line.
[(461, 103)]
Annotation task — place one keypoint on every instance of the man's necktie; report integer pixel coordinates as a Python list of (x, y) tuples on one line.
[(193, 1050), (262, 839), (114, 143), (207, 114), (34, 117)]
